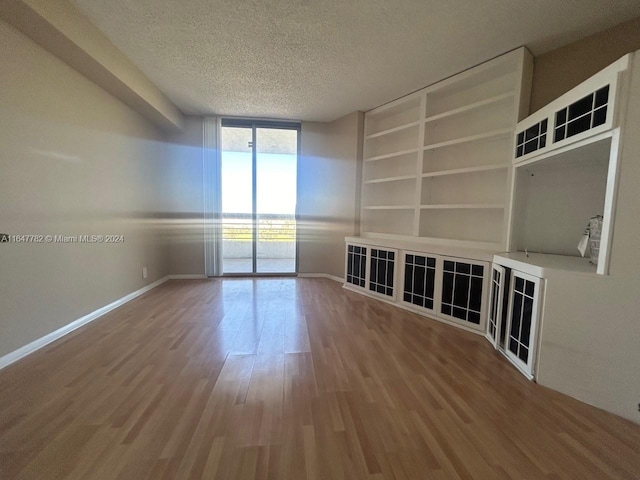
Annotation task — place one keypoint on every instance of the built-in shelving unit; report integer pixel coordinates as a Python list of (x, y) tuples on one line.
[(437, 163)]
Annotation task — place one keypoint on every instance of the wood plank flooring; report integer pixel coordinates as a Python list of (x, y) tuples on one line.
[(290, 379)]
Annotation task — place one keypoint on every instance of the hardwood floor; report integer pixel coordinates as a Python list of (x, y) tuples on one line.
[(290, 379)]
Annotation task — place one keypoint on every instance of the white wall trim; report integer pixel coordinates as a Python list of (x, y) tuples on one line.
[(321, 275), (22, 352), (186, 277)]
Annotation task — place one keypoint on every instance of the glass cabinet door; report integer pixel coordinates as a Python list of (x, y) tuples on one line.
[(495, 304), (382, 271), (419, 287), (356, 265), (463, 286), (524, 306)]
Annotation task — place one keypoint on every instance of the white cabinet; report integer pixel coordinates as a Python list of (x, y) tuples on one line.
[(514, 316), (371, 269), (522, 321), (449, 289), (437, 163), (566, 168)]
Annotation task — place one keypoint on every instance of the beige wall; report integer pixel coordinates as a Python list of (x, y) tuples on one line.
[(73, 160), (185, 191), (560, 70), (590, 343), (328, 192)]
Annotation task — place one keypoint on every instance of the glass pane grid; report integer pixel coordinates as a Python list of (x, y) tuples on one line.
[(532, 139), (356, 265), (382, 269), (580, 116), (419, 280), (521, 318), (462, 291)]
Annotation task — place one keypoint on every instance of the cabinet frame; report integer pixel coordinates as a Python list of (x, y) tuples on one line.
[(528, 368), (437, 289), (498, 311)]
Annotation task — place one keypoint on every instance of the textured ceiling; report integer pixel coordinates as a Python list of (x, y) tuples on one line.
[(321, 59)]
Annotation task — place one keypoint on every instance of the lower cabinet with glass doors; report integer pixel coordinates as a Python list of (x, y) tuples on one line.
[(450, 289), (514, 314)]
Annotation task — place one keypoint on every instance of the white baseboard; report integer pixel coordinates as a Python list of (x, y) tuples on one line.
[(321, 275), (62, 331), (186, 277)]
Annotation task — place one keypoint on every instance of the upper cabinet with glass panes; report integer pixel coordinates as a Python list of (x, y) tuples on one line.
[(588, 109)]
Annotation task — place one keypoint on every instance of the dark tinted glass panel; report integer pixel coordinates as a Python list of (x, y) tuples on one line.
[(431, 262), (374, 269), (447, 288), (460, 313), (407, 297), (475, 298), (477, 270), (559, 134), (449, 266), (581, 107), (543, 126), (526, 321), (463, 267), (520, 151), (421, 260), (390, 274), (561, 117), (517, 311), (520, 138), (513, 346), (380, 289), (531, 146), (418, 280), (350, 248), (409, 258), (524, 354), (529, 288), (474, 317), (461, 291), (428, 303), (543, 141), (374, 253), (391, 256), (580, 125), (532, 132), (431, 281), (446, 309), (418, 300), (408, 278), (519, 284), (602, 97), (599, 116)]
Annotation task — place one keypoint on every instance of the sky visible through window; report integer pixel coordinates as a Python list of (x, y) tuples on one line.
[(276, 171)]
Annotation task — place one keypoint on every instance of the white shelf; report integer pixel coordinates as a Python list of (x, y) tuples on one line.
[(463, 206), (391, 179), (471, 106), (538, 264), (393, 130), (458, 171), (389, 207), (391, 155), (503, 132)]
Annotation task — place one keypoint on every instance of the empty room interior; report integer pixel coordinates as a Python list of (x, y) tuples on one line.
[(319, 240)]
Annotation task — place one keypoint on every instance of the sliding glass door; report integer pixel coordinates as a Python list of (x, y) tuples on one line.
[(258, 187)]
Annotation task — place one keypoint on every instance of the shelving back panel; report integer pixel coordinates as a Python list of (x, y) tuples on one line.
[(556, 197), (494, 116), (468, 188), (392, 142), (473, 225), (488, 82), (468, 155), (399, 113), (391, 167), (389, 193), (389, 222)]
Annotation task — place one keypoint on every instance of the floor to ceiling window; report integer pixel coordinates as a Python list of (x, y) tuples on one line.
[(258, 191)]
